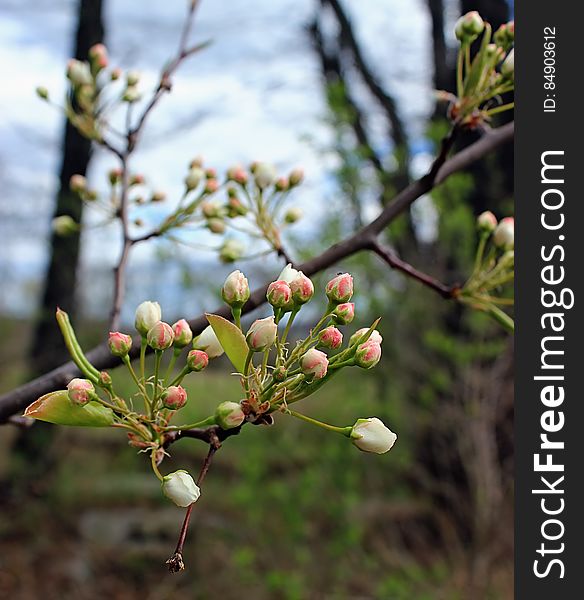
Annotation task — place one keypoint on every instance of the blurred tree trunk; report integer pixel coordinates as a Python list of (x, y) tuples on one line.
[(48, 349)]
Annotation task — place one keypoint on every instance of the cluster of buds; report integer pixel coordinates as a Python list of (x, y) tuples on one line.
[(494, 268), (482, 80)]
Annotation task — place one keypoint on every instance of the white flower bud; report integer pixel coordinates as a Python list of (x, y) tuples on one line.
[(288, 274), (147, 315), (371, 435), (209, 343), (180, 488), (508, 66), (504, 235), (229, 415), (264, 175)]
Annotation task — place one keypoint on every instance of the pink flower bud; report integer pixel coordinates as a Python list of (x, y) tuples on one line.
[(330, 337), (487, 221), (262, 334), (235, 291), (119, 343), (374, 337), (344, 313), (314, 363), (279, 294), (229, 415), (504, 235), (160, 336), (116, 74), (115, 176), (80, 391), (77, 184), (469, 26), (340, 288), (282, 184), (197, 360), (237, 174), (105, 379), (147, 315), (302, 288), (211, 186), (296, 177), (137, 179), (183, 335), (98, 56), (174, 397), (368, 354)]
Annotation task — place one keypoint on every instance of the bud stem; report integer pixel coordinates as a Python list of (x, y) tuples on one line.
[(154, 465), (158, 357), (204, 423), (346, 431), (126, 360), (171, 363), (143, 345), (236, 312)]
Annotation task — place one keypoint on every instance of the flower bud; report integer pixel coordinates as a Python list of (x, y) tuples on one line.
[(296, 177), (147, 314), (131, 94), (180, 488), (211, 210), (279, 294), (209, 343), (235, 208), (293, 215), (119, 343), (183, 335), (262, 334), (80, 391), (231, 250), (229, 415), (505, 35), (137, 179), (280, 374), (375, 336), (197, 360), (368, 354), (486, 221), (194, 177), (330, 337), (158, 197), (508, 66), (115, 176), (237, 174), (132, 78), (288, 274), (174, 397), (314, 363), (504, 235), (160, 336), (211, 186), (98, 56), (282, 184), (105, 379), (264, 175), (371, 435), (64, 225), (469, 26), (42, 93), (196, 163), (235, 291), (344, 313), (78, 73), (216, 226), (340, 288), (116, 74), (302, 288)]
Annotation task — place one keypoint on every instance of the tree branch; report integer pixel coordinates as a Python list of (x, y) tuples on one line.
[(16, 400)]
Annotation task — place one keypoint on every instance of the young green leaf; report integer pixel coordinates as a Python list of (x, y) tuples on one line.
[(56, 408), (232, 340)]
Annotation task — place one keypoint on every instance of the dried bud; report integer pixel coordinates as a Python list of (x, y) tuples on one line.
[(293, 215), (78, 73), (368, 354), (469, 27), (80, 391), (174, 397), (302, 288), (180, 488), (229, 415), (183, 335), (279, 294), (64, 225), (77, 184), (132, 78), (330, 337), (194, 177), (344, 313), (504, 235), (160, 336), (371, 435), (374, 337), (314, 363), (197, 360), (508, 66), (340, 288), (262, 334), (147, 315), (158, 197), (119, 343), (296, 177), (280, 374), (264, 175), (235, 291), (231, 251), (209, 343), (486, 221), (42, 93)]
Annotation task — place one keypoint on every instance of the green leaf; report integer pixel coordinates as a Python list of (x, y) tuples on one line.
[(57, 408), (232, 340)]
